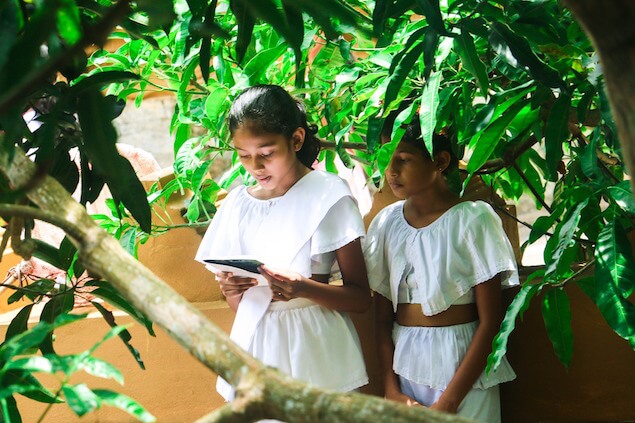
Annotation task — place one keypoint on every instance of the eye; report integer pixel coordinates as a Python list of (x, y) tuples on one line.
[(266, 155), (243, 156)]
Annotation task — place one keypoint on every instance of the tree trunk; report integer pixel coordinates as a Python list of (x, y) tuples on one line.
[(610, 26)]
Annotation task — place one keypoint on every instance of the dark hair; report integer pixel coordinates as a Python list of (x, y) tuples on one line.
[(412, 136), (270, 109)]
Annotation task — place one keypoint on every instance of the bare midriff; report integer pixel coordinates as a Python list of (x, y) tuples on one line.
[(411, 315)]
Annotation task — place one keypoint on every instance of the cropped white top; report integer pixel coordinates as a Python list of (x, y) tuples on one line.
[(438, 265)]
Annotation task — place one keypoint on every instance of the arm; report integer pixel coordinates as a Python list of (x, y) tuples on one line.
[(384, 319), (490, 314), (353, 295)]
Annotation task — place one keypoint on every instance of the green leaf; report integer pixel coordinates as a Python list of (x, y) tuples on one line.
[(432, 13), (485, 143), (615, 279), (19, 324), (124, 403), (589, 160), (68, 23), (80, 399), (622, 195), (48, 253), (245, 22), (124, 335), (31, 387), (35, 290), (257, 67), (99, 80), (502, 38), (10, 412), (428, 110), (396, 80), (107, 292), (516, 309), (100, 368), (11, 21), (57, 306), (99, 145), (32, 364), (556, 132), (464, 45), (556, 313), (563, 239)]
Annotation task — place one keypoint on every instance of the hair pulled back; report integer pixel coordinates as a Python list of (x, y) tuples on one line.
[(270, 109)]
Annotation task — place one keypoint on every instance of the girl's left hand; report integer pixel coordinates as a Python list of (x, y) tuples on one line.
[(284, 285), (441, 405)]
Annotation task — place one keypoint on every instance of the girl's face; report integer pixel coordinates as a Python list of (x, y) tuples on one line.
[(269, 158), (409, 173)]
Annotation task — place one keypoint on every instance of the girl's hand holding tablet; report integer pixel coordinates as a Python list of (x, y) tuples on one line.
[(284, 285)]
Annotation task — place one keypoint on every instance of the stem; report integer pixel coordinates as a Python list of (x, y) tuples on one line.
[(576, 274), (26, 211), (531, 187)]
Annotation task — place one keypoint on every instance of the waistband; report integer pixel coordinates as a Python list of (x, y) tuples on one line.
[(291, 304)]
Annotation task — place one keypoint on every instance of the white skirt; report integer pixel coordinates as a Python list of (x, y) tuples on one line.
[(311, 343), (431, 355)]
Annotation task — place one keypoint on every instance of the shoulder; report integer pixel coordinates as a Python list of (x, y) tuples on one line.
[(468, 212), (386, 217)]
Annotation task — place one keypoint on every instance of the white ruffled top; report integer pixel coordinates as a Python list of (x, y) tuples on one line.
[(438, 266), (464, 247)]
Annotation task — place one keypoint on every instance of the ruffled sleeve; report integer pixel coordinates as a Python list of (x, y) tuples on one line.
[(489, 251), (341, 225), (382, 251)]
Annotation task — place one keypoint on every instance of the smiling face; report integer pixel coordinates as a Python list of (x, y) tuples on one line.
[(271, 159), (410, 173)]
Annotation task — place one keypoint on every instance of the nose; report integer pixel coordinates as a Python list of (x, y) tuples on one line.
[(257, 163), (391, 169)]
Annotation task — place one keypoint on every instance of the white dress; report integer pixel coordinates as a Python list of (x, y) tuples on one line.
[(438, 266), (299, 231)]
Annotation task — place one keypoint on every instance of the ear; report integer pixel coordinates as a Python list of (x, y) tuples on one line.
[(442, 160), (297, 139)]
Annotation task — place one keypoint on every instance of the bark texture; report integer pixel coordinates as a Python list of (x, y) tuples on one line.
[(610, 26)]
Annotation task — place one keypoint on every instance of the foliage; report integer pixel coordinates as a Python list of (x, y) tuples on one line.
[(516, 83)]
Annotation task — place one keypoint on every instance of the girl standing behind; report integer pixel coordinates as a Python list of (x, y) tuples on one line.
[(299, 222), (438, 265)]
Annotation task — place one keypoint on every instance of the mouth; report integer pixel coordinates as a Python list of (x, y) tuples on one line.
[(263, 179), (394, 184)]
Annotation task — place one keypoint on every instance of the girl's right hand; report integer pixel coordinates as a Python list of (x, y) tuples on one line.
[(400, 397), (232, 286)]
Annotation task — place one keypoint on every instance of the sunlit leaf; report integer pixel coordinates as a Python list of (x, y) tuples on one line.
[(124, 403), (80, 399)]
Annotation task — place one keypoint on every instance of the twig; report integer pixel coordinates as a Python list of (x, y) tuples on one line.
[(531, 187)]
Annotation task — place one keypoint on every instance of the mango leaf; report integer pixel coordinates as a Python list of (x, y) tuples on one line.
[(19, 324), (124, 403), (99, 145), (34, 336), (402, 70), (35, 390), (622, 195), (99, 80), (464, 46), (516, 309), (589, 160), (48, 253), (380, 14), (502, 38), (258, 65), (107, 292), (124, 335), (556, 131), (614, 278), (556, 313), (57, 306), (245, 22), (80, 399), (68, 23), (432, 13), (563, 239), (428, 110), (485, 143), (100, 368), (32, 364), (10, 412)]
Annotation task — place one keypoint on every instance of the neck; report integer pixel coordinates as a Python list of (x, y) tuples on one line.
[(423, 208)]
